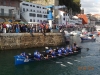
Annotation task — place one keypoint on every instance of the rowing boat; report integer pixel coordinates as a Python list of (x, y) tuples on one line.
[(87, 39), (19, 59)]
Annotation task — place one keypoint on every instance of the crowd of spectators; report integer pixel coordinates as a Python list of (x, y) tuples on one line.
[(35, 28), (23, 28)]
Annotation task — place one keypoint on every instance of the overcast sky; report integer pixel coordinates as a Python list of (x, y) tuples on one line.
[(91, 6)]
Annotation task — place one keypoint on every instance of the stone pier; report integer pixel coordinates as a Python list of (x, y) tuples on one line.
[(10, 41)]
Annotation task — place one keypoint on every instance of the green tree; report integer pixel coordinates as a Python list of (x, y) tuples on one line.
[(71, 4)]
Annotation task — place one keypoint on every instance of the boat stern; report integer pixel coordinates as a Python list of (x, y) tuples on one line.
[(19, 59)]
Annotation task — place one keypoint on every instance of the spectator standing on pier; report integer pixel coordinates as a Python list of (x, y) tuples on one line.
[(4, 28)]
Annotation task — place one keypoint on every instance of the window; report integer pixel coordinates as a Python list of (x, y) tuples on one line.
[(63, 18), (33, 10), (39, 15), (27, 9), (24, 9), (33, 5), (25, 4), (30, 20), (40, 20), (32, 15), (44, 8), (37, 20), (63, 14), (45, 16), (37, 6), (33, 20)]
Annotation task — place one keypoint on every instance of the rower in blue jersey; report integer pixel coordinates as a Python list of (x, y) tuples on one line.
[(38, 56), (53, 53), (49, 50), (65, 52), (59, 52), (35, 54), (69, 49), (23, 54), (62, 49)]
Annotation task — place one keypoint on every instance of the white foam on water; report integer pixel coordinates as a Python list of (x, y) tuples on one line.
[(63, 65), (58, 62), (70, 63), (77, 60)]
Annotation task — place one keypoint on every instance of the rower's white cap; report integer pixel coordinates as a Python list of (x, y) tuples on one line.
[(46, 48)]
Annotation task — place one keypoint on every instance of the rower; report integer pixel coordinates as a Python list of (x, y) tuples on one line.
[(48, 53), (38, 56), (30, 56), (74, 46), (56, 49), (69, 49), (23, 54), (65, 52), (44, 55), (35, 54), (59, 52), (62, 49), (53, 54)]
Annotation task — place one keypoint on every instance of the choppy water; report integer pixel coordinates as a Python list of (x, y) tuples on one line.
[(86, 63)]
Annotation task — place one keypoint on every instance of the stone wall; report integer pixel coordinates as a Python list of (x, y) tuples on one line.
[(27, 40)]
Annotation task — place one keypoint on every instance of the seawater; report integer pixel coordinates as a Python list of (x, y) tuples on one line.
[(86, 63)]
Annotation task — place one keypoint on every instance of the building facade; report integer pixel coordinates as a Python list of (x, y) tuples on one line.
[(49, 2), (31, 12), (9, 10), (64, 19)]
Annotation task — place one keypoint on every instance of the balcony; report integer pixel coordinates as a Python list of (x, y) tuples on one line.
[(7, 15)]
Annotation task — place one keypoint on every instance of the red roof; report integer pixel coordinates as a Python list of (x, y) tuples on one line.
[(84, 18)]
